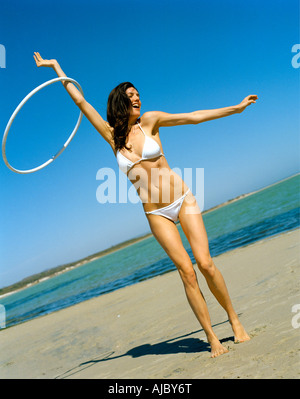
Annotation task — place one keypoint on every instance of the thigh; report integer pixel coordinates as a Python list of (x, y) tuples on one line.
[(193, 227), (166, 233)]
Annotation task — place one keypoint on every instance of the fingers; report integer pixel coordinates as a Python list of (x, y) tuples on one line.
[(252, 97), (38, 59), (37, 56)]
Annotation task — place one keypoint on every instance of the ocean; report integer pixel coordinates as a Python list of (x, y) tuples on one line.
[(268, 212)]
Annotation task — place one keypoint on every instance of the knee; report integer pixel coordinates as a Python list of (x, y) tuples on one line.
[(206, 266), (188, 276)]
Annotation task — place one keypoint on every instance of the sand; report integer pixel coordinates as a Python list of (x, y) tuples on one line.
[(148, 331)]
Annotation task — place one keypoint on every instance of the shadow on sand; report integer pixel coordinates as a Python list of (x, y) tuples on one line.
[(180, 344)]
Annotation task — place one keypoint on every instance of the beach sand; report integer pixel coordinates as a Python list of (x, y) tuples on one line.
[(148, 330)]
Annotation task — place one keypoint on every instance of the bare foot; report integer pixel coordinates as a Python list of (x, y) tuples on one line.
[(240, 334), (217, 348)]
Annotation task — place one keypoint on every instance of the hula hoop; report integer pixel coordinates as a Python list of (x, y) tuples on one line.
[(49, 82)]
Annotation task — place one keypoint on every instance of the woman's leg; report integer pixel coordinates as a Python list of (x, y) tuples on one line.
[(192, 224), (166, 233)]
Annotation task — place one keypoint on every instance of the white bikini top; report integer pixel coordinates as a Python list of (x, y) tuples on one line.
[(151, 150)]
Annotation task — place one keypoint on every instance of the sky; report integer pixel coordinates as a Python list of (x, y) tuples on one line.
[(182, 56)]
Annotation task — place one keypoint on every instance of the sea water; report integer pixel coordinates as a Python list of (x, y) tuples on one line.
[(268, 212)]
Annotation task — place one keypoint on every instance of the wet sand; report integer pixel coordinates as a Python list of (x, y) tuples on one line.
[(149, 331)]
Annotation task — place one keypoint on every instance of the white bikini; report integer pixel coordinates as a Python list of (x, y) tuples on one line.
[(152, 150)]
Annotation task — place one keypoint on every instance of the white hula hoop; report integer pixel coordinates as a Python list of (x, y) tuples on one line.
[(49, 82)]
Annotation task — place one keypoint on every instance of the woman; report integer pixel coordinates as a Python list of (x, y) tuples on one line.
[(137, 147)]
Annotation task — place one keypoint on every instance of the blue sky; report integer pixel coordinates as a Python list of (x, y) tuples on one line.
[(182, 56)]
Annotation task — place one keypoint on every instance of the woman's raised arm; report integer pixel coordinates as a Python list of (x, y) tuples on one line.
[(165, 119), (88, 110)]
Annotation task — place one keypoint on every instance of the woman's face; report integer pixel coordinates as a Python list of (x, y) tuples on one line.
[(134, 97)]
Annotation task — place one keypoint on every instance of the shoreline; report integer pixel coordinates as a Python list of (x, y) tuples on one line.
[(50, 273), (73, 265)]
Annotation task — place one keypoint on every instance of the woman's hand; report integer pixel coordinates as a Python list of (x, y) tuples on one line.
[(247, 101), (40, 62)]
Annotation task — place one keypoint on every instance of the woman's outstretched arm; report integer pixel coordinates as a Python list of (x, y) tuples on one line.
[(88, 110), (164, 119)]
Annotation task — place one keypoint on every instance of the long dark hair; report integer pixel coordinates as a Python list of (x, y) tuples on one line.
[(118, 112)]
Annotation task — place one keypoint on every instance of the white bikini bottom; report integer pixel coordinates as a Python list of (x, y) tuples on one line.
[(170, 211)]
